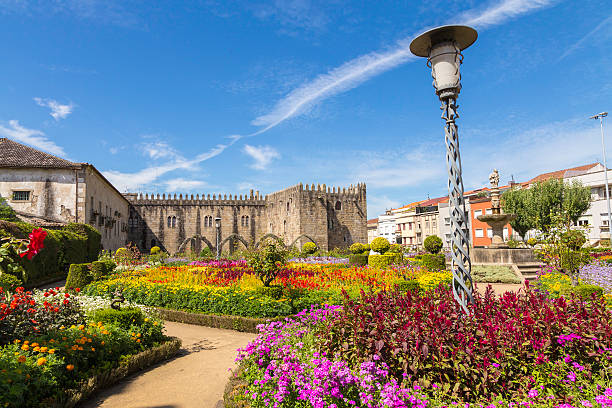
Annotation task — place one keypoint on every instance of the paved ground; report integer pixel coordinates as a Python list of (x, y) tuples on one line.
[(196, 378), (499, 288)]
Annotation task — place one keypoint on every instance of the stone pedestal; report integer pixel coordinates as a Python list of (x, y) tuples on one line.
[(497, 222)]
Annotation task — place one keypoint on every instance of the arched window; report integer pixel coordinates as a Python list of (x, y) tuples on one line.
[(287, 205), (169, 222), (338, 205), (242, 221), (285, 227), (246, 221), (173, 222)]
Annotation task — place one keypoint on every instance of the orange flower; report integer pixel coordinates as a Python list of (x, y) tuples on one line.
[(27, 376), (16, 341), (34, 344), (36, 348), (81, 327), (51, 351), (138, 341), (25, 347), (51, 341), (70, 367), (41, 361), (43, 349), (21, 359), (105, 332), (26, 342), (93, 349), (102, 343)]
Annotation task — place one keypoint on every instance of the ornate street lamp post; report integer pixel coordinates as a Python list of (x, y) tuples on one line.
[(442, 46), (218, 227)]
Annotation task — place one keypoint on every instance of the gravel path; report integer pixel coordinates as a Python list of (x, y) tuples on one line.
[(196, 378)]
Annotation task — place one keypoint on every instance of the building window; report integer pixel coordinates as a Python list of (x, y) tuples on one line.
[(489, 232), (477, 213), (447, 221), (505, 232), (21, 196), (169, 222), (173, 222), (410, 228), (284, 227), (489, 211), (479, 233), (287, 205), (246, 221), (338, 205)]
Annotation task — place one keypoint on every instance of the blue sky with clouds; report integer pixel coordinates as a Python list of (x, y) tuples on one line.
[(225, 96)]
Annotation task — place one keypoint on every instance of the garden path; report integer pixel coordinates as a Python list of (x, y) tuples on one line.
[(195, 378)]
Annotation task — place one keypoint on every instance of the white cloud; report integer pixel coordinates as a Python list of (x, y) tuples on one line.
[(356, 71), (578, 44), (184, 185), (58, 110), (263, 155), (159, 150), (377, 204), (32, 137), (245, 185)]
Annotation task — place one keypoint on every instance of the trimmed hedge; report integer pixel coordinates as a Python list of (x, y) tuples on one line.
[(585, 291), (411, 285), (99, 269), (72, 244), (123, 318), (79, 276), (433, 262), (358, 259), (384, 260)]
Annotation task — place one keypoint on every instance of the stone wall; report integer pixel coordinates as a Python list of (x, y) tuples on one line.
[(296, 214)]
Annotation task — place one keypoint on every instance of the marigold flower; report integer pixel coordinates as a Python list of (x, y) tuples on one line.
[(25, 347), (70, 367), (41, 361), (21, 359)]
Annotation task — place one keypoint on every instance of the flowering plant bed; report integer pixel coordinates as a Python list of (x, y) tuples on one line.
[(411, 349), (231, 288)]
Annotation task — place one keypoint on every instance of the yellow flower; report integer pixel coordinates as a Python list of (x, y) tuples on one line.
[(41, 361), (43, 349), (34, 344), (81, 327), (25, 347), (52, 351), (36, 348)]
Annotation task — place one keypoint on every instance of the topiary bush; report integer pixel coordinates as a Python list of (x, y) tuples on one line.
[(395, 248), (586, 291), (357, 248), (155, 250), (382, 261), (433, 262), (100, 269), (358, 259), (309, 248), (79, 276), (433, 244), (407, 286), (380, 245), (8, 282), (124, 318), (93, 239)]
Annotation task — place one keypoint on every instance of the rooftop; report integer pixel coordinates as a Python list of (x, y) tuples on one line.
[(17, 155), (574, 171)]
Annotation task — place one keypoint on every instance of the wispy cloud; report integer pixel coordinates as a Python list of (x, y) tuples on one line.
[(184, 185), (358, 70), (263, 155), (378, 204), (579, 43), (159, 150), (58, 110), (32, 137)]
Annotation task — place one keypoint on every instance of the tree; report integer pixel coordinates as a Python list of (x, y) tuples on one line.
[(540, 206), (268, 260)]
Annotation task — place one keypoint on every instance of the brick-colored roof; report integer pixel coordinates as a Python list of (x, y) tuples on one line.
[(373, 221), (17, 155), (561, 173)]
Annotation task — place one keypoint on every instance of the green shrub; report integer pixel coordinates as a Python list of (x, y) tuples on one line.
[(110, 265), (309, 248), (408, 286), (124, 318), (433, 244), (358, 259), (93, 238), (384, 260), (380, 245), (395, 248), (79, 276), (6, 212), (532, 242), (99, 269), (206, 253), (433, 262), (512, 243), (155, 250), (273, 291), (585, 291), (357, 248), (8, 282), (494, 274)]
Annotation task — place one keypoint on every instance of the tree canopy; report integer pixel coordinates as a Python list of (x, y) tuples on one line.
[(540, 205)]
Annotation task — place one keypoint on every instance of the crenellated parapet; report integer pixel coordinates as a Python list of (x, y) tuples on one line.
[(138, 199)]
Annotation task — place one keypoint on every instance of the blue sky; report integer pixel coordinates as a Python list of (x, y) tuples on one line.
[(225, 96)]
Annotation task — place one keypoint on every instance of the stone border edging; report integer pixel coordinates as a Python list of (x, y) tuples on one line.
[(133, 364), (237, 323)]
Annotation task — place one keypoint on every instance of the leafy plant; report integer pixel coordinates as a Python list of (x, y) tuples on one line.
[(268, 260), (357, 248), (309, 248), (380, 245), (433, 244)]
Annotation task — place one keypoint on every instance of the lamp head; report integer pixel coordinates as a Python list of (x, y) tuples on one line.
[(442, 46), (217, 222), (599, 115)]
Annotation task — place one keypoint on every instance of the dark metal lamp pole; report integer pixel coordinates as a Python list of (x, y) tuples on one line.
[(218, 226), (442, 46)]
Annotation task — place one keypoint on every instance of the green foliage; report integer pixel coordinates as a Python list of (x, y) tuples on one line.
[(395, 249), (124, 318), (494, 274), (573, 239), (532, 242), (206, 253), (10, 260), (123, 255), (357, 248), (358, 259), (380, 245), (267, 261), (433, 262), (537, 207), (383, 260), (6, 212), (433, 244), (79, 276), (586, 291), (8, 282), (273, 291), (309, 248), (512, 243), (100, 269), (93, 242), (155, 250), (408, 286)]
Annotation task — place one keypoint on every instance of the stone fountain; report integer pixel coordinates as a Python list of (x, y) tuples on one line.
[(496, 220)]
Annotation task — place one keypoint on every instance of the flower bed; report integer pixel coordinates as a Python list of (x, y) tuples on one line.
[(48, 345), (233, 289), (409, 350)]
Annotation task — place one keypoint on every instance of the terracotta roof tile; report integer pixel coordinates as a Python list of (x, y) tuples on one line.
[(560, 173), (17, 155)]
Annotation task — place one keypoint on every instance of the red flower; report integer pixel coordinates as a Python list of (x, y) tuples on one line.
[(37, 238), (77, 290)]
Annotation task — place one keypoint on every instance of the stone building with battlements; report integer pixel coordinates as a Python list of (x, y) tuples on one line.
[(330, 217)]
